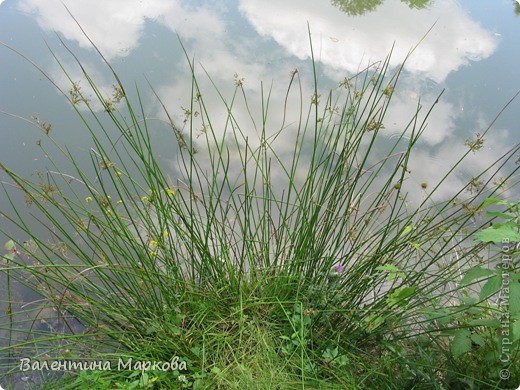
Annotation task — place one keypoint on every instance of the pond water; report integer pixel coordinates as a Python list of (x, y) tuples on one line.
[(470, 49)]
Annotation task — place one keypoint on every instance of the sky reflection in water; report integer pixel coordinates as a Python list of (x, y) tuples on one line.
[(264, 40)]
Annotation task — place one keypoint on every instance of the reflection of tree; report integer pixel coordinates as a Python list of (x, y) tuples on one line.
[(356, 7), (416, 3), (360, 7), (517, 8)]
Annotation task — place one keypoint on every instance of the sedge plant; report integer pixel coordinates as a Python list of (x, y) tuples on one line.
[(252, 266)]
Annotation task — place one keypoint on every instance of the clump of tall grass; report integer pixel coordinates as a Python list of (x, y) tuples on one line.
[(254, 266)]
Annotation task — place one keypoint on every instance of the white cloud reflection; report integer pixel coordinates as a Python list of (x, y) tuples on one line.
[(116, 26), (344, 43)]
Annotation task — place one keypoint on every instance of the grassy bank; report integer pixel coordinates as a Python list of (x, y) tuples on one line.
[(292, 260)]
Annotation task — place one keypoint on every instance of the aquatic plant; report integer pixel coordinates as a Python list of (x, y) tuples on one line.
[(248, 264)]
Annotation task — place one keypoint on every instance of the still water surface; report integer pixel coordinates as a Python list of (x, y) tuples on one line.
[(472, 52), (470, 49)]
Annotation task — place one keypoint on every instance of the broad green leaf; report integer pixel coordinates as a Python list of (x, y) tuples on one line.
[(488, 322), (373, 321), (500, 214), (461, 343), (341, 361), (442, 321), (330, 354), (475, 273), (399, 297), (416, 245), (491, 356), (498, 233), (10, 246), (442, 316), (393, 271), (144, 379), (387, 268), (407, 230), (490, 201), (404, 292), (516, 330), (491, 287), (432, 314), (468, 300), (474, 310), (514, 297), (478, 339)]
